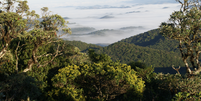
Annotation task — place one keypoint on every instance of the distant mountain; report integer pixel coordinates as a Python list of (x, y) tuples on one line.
[(131, 28), (104, 32), (66, 18), (79, 30), (132, 12), (101, 7), (107, 17)]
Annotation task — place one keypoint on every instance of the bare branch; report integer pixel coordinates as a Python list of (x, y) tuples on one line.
[(3, 52), (176, 69), (55, 55)]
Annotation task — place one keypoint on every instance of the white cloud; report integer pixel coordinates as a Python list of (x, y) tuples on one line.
[(148, 15), (56, 3)]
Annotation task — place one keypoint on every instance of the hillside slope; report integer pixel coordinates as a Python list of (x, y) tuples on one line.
[(83, 46), (153, 40), (149, 47), (126, 52)]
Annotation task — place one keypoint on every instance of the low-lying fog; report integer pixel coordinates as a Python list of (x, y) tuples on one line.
[(110, 22)]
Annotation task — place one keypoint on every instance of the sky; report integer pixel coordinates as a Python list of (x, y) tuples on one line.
[(135, 16)]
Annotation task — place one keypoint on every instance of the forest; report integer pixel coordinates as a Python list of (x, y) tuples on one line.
[(149, 47), (36, 64)]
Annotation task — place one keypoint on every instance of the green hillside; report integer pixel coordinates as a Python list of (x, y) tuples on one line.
[(148, 47), (126, 52), (154, 40), (83, 46)]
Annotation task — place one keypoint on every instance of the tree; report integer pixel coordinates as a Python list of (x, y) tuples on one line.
[(43, 34), (11, 23), (18, 23), (20, 87), (184, 25), (98, 57), (103, 81)]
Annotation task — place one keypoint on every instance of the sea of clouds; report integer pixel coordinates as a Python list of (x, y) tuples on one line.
[(126, 17)]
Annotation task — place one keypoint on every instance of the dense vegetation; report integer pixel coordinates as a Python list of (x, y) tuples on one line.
[(84, 47), (126, 53), (153, 39), (149, 47), (36, 65)]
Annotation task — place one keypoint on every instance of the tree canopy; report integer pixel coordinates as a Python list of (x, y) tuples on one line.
[(184, 25), (19, 24), (101, 80), (37, 65)]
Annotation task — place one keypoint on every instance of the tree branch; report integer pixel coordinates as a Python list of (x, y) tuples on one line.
[(176, 69), (17, 57)]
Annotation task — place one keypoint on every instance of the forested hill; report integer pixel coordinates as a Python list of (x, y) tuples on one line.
[(149, 47), (154, 40), (84, 46), (126, 52)]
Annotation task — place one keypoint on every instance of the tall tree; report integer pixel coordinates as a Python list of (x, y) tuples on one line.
[(184, 25), (17, 22), (11, 23)]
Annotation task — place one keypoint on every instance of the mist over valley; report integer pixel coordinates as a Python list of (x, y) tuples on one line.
[(89, 20)]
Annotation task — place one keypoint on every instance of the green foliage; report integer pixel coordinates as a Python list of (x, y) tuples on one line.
[(98, 57), (22, 26), (30, 45), (188, 88), (126, 53), (157, 85), (98, 80), (71, 55), (138, 64), (64, 80), (155, 50), (75, 56), (84, 47), (184, 96), (170, 86), (153, 39), (57, 70), (164, 54), (184, 26), (19, 87)]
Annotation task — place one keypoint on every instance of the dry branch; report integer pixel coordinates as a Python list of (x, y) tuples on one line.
[(176, 69)]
